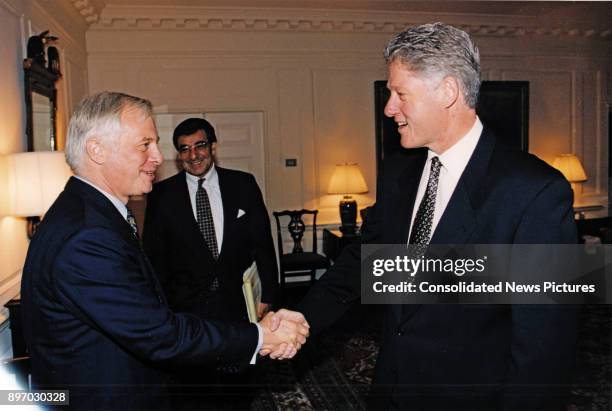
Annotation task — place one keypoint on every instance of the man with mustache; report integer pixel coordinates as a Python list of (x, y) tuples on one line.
[(203, 228)]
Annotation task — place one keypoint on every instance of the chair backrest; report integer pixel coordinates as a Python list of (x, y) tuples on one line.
[(296, 228)]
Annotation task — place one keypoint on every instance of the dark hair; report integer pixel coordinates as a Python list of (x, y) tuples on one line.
[(192, 125)]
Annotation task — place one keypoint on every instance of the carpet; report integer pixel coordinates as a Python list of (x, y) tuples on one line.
[(331, 372), (334, 371)]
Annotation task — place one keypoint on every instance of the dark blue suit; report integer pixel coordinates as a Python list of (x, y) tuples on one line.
[(95, 318), (465, 357), (182, 259)]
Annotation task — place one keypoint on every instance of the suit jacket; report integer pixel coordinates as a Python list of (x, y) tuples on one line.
[(182, 259), (95, 318), (465, 357)]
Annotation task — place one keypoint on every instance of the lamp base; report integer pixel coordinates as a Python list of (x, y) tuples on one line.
[(348, 216), (33, 223)]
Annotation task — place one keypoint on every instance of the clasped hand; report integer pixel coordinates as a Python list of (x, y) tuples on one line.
[(284, 333)]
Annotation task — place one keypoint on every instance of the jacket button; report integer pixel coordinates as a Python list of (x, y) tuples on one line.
[(400, 332)]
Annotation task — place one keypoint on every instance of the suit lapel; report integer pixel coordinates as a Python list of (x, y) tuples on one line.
[(460, 217), (115, 219), (230, 205), (105, 206), (402, 199)]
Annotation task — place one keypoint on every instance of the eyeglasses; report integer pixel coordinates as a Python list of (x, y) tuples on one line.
[(199, 146)]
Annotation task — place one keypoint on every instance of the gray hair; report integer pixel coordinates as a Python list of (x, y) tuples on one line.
[(99, 115), (439, 49)]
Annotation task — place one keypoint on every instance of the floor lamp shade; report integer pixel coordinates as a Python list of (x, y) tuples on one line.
[(347, 179), (35, 181)]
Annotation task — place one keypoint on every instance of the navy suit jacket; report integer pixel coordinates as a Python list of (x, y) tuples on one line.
[(95, 318), (181, 256), (465, 357)]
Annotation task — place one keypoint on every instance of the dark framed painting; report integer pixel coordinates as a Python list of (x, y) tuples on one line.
[(503, 106)]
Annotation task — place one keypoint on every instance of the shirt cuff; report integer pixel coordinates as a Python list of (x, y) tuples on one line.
[(259, 343)]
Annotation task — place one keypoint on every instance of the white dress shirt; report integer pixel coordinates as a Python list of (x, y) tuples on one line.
[(211, 185), (454, 160)]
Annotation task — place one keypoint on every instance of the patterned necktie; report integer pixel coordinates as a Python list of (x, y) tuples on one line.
[(205, 219), (421, 230), (132, 222)]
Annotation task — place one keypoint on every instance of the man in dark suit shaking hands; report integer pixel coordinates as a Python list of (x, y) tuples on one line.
[(457, 184), (95, 317), (203, 228)]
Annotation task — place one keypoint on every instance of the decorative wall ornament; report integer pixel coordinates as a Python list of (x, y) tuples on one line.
[(200, 18), (89, 9)]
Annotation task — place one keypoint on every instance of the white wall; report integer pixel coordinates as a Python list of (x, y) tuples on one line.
[(312, 73), (17, 17), (12, 129)]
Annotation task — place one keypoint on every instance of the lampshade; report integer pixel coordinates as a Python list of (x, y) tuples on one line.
[(347, 179), (35, 179), (571, 168)]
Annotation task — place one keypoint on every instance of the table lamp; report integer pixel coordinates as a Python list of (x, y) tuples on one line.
[(347, 179), (35, 179), (571, 168)]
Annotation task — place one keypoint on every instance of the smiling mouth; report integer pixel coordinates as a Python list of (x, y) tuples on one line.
[(401, 124)]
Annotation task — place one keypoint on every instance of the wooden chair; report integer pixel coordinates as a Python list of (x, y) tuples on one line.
[(298, 262)]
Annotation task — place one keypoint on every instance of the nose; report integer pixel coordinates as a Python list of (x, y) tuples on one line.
[(155, 155), (391, 106), (193, 153)]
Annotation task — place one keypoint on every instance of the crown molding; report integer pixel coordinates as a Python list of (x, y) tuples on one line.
[(12, 7), (89, 9), (121, 17)]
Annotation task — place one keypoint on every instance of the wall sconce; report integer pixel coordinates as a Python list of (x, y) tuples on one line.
[(347, 179), (35, 179)]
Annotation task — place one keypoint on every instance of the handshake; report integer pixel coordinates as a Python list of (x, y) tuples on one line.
[(284, 332)]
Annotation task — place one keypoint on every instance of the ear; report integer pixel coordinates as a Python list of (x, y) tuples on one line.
[(213, 149), (450, 91), (95, 150)]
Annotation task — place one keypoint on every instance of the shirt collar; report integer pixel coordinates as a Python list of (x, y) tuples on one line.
[(122, 208), (455, 159), (212, 177)]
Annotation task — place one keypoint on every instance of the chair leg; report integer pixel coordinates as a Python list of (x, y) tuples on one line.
[(313, 276)]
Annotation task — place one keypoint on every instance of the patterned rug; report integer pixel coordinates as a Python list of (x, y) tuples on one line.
[(592, 375), (333, 372)]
